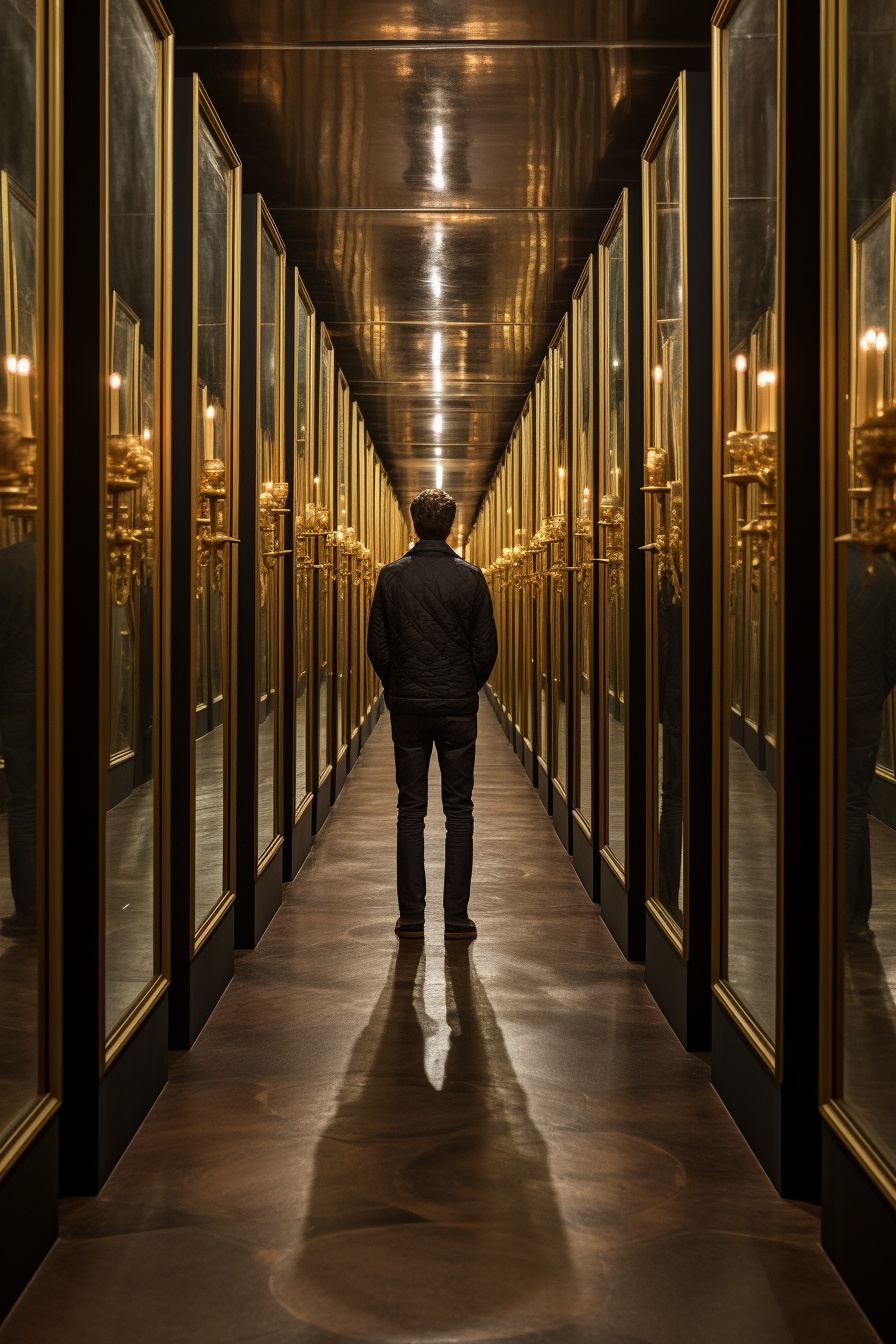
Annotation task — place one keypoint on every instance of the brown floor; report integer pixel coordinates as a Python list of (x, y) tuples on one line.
[(500, 1142)]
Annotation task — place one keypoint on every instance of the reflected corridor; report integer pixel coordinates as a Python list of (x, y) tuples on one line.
[(427, 1143)]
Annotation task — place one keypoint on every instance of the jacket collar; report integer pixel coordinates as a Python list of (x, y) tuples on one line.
[(431, 548)]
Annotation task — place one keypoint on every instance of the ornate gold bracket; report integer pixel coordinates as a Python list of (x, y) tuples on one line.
[(210, 536), (128, 518)]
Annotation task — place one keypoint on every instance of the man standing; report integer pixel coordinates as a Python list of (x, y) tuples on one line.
[(432, 641)]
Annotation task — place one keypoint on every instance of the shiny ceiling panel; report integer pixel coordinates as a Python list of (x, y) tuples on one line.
[(440, 172), (380, 21)]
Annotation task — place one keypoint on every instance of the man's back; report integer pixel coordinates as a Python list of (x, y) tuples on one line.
[(431, 636)]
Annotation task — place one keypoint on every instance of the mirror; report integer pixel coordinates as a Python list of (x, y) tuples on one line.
[(613, 542), (750, 524), (22, 900), (304, 318), (132, 480), (213, 339), (664, 477)]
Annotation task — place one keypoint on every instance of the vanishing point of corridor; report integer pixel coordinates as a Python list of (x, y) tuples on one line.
[(496, 1141)]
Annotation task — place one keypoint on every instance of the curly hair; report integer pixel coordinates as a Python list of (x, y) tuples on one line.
[(433, 514)]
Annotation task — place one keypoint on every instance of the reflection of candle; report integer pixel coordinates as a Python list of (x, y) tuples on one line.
[(586, 503), (317, 489), (23, 395), (740, 365), (115, 388), (562, 508), (761, 401), (210, 432), (658, 405), (10, 383), (880, 346), (771, 393)]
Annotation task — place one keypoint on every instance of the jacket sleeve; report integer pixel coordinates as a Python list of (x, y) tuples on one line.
[(377, 639), (484, 647)]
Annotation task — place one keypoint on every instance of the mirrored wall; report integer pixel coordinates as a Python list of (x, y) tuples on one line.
[(137, 139), (612, 538), (582, 492), (664, 468), (216, 193), (747, 179), (272, 494), (303, 474)]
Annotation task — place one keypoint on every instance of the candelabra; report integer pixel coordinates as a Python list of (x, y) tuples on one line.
[(128, 520), (874, 492), (210, 523), (271, 510)]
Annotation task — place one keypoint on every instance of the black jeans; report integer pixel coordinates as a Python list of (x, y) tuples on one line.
[(454, 738)]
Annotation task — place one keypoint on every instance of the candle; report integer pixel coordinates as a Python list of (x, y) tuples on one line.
[(658, 406), (209, 432), (23, 395), (562, 508), (771, 393), (762, 401), (10, 383), (740, 365), (317, 489), (115, 389), (880, 346)]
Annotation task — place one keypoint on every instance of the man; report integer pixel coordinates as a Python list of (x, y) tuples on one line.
[(432, 641)]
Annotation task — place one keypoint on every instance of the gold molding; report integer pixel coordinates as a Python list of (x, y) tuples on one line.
[(738, 1011)]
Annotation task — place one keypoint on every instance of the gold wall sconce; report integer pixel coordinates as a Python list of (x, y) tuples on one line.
[(753, 455), (18, 455), (874, 491), (271, 511), (312, 529), (612, 528), (129, 505), (210, 535), (664, 518)]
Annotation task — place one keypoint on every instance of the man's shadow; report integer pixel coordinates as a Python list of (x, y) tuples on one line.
[(432, 1214)]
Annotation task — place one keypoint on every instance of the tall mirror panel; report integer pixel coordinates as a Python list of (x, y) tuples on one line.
[(216, 193), (25, 1078), (540, 562), (751, 530), (865, 803), (136, 90), (612, 543), (303, 473), (558, 532), (272, 493), (583, 557), (340, 593), (664, 468), (322, 606)]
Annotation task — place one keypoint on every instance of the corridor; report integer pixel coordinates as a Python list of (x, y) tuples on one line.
[(495, 1141)]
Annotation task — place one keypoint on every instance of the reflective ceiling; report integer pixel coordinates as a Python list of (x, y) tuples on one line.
[(440, 172)]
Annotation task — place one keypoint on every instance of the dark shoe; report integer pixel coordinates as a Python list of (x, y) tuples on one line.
[(18, 925), (460, 928), (409, 928), (859, 933)]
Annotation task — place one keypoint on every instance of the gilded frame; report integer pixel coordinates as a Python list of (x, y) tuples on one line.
[(584, 582), (618, 221), (48, 475), (265, 224), (110, 1044), (834, 383), (303, 487), (675, 106), (204, 111)]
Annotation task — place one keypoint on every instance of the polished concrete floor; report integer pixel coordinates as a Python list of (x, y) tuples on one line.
[(503, 1141)]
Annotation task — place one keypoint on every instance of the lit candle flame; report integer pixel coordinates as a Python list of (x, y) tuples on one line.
[(741, 364), (658, 374)]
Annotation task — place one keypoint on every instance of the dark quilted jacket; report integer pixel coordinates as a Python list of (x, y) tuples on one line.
[(870, 628), (431, 636)]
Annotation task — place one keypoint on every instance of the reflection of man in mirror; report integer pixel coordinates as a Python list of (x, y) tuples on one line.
[(18, 727), (669, 676), (870, 677)]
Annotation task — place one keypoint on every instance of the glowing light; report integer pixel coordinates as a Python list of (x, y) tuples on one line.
[(562, 473), (317, 480), (438, 475), (437, 349), (435, 283), (438, 452), (146, 434), (741, 364), (210, 413), (880, 342), (437, 423), (658, 374), (437, 381), (23, 366), (11, 363), (115, 382)]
